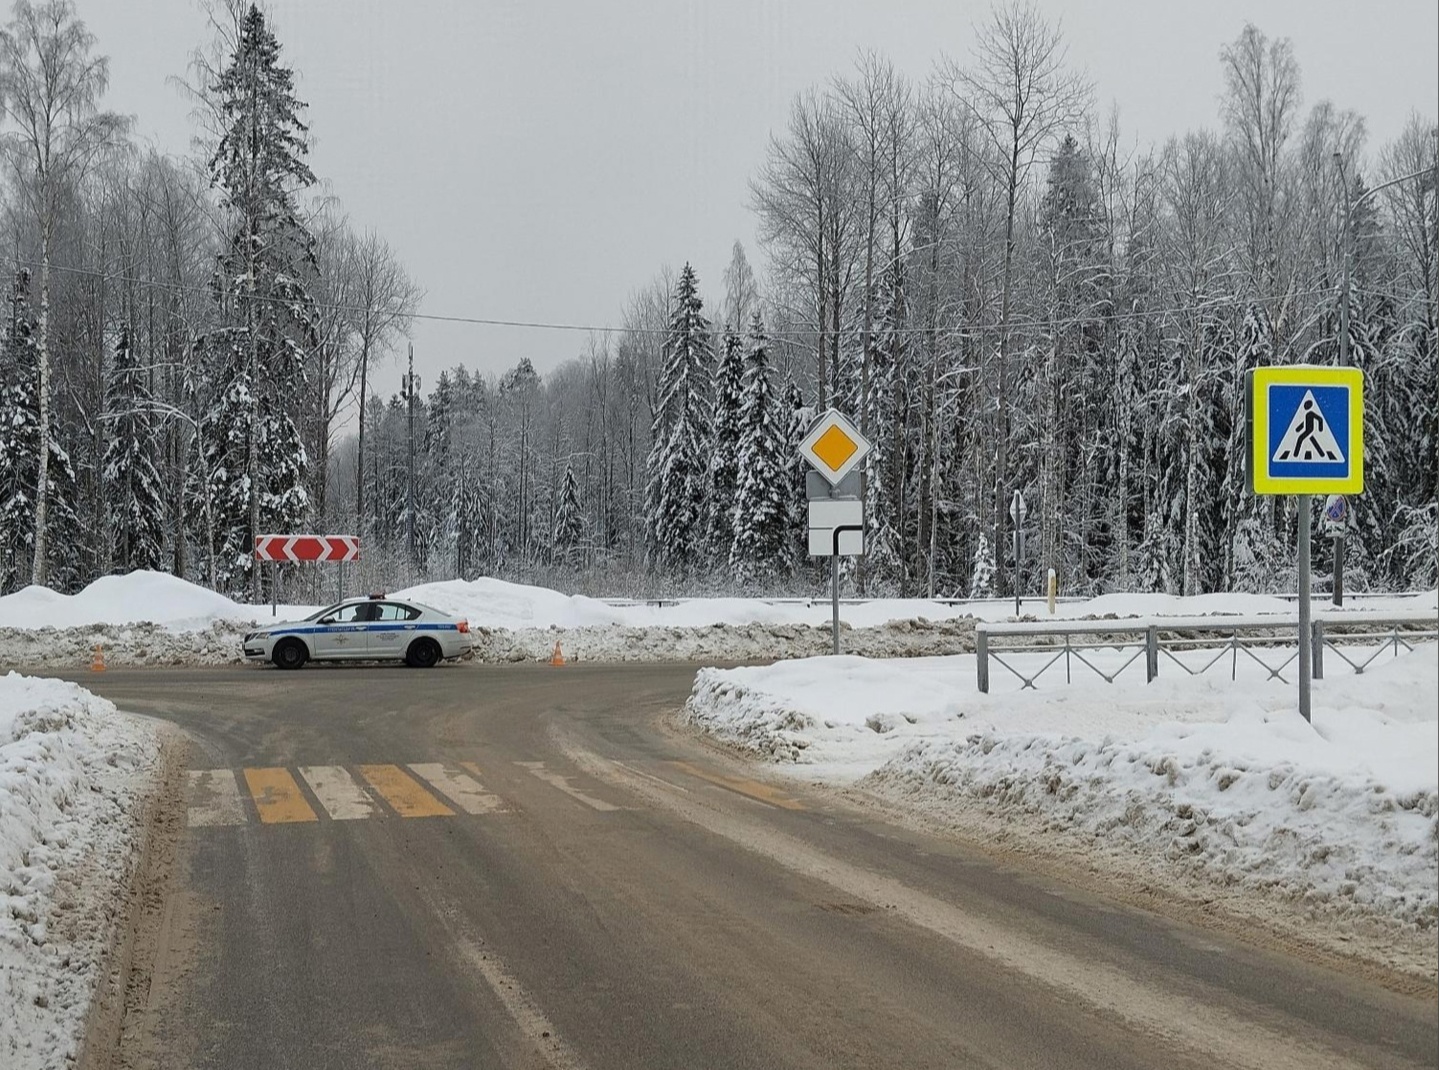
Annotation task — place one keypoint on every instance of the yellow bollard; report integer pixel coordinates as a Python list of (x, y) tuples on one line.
[(97, 660), (1053, 590)]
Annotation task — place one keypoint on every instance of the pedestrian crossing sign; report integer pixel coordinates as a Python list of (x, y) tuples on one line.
[(1306, 430)]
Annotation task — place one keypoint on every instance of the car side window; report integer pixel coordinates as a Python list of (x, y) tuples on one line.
[(390, 611), (351, 614)]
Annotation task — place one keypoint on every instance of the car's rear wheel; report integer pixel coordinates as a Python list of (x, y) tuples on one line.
[(290, 654), (423, 654)]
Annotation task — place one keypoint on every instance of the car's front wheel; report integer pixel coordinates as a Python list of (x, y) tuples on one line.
[(423, 654), (290, 654)]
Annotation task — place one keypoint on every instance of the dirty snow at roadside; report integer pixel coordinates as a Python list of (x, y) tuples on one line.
[(176, 605), (151, 618), (73, 775), (1220, 781)]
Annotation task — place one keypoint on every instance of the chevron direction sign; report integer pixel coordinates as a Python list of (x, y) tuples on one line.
[(307, 547)]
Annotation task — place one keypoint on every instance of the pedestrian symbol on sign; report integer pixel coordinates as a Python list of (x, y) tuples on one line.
[(1308, 437)]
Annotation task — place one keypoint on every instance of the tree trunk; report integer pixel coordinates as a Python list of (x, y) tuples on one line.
[(360, 462), (42, 486)]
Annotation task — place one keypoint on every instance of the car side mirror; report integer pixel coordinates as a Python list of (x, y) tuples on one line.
[(327, 620)]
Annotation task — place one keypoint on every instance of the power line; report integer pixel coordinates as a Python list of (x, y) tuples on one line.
[(1205, 305)]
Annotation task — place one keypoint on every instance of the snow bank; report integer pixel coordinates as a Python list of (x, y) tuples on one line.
[(150, 618), (492, 603), (136, 597), (1199, 779), (73, 773)]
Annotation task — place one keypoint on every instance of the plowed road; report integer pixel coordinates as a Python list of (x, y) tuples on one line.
[(517, 867)]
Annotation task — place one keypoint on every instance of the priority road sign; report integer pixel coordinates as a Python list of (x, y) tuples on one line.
[(834, 447), (1306, 430)]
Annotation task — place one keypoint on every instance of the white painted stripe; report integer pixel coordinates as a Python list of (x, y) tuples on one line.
[(342, 798), (533, 1023), (214, 798), (557, 780), (464, 791)]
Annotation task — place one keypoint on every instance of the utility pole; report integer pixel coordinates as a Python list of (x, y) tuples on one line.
[(412, 386), (1347, 254)]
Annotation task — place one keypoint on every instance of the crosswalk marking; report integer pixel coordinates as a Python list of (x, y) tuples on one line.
[(342, 798), (465, 792), (277, 796), (214, 799), (558, 780), (403, 792)]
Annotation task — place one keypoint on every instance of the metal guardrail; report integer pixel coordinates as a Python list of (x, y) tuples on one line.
[(1072, 641)]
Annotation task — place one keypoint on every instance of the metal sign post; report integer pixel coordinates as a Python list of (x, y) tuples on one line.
[(1306, 437), (1305, 628), (1018, 510)]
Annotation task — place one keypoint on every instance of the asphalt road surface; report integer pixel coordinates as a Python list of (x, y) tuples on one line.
[(518, 867)]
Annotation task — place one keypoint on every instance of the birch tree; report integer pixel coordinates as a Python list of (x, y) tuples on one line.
[(51, 85)]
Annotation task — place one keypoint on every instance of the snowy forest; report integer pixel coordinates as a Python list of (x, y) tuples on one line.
[(973, 262)]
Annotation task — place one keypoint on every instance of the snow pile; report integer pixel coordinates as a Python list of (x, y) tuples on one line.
[(1199, 780), (141, 596), (150, 618), (72, 777), (489, 603)]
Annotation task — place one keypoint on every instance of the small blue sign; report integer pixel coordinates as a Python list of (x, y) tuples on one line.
[(1309, 431)]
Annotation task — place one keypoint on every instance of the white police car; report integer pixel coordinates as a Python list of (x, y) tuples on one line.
[(363, 629)]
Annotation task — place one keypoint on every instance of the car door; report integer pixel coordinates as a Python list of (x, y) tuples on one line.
[(344, 633), (393, 629)]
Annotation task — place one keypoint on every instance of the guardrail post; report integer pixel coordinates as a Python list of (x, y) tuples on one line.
[(1318, 650), (981, 659), (1151, 653)]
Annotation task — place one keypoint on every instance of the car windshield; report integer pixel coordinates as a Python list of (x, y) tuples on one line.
[(326, 611)]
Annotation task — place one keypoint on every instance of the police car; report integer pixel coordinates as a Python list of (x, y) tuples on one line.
[(376, 628)]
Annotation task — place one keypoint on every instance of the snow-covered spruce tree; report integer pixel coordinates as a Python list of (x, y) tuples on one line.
[(256, 360), (763, 546), (724, 462), (19, 439), (797, 420), (981, 583), (569, 522), (886, 497), (1254, 553), (132, 485), (21, 443), (680, 436)]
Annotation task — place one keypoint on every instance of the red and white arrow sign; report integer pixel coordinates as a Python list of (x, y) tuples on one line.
[(307, 547)]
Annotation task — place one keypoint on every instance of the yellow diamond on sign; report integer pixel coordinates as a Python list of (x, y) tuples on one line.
[(834, 447)]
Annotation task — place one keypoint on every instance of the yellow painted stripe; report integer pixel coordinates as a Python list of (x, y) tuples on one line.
[(403, 792), (277, 796), (754, 789)]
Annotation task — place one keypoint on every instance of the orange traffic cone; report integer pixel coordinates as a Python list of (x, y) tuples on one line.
[(557, 658), (97, 660)]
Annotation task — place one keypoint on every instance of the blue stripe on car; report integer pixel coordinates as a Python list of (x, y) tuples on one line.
[(365, 627)]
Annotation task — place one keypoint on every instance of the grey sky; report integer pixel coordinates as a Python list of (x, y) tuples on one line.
[(541, 161)]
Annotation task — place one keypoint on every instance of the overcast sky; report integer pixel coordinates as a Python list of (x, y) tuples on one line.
[(541, 161)]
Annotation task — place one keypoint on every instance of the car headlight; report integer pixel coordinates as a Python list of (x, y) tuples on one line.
[(257, 636)]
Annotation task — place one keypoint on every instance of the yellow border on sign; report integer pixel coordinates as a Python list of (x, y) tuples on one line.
[(1305, 375)]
